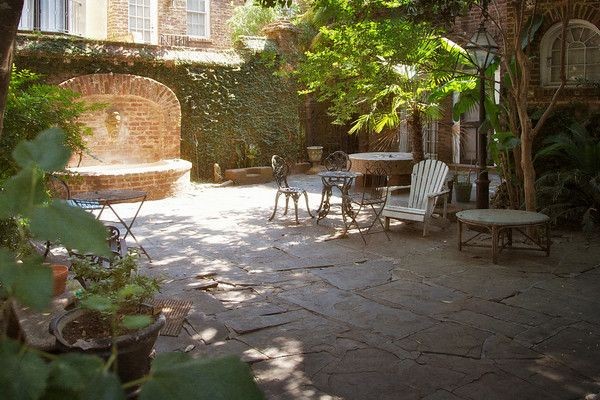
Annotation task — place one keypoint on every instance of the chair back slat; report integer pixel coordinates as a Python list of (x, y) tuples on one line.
[(427, 177)]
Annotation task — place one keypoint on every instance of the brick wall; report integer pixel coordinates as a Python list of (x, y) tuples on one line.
[(172, 23), (141, 123)]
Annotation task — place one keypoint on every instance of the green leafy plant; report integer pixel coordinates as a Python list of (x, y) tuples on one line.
[(249, 19), (29, 374), (569, 187), (116, 292), (375, 66), (33, 106)]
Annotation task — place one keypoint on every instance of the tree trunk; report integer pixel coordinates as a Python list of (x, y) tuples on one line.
[(10, 14), (415, 126), (528, 169)]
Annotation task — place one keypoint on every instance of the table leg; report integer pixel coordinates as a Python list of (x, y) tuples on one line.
[(128, 226), (547, 239), (495, 239), (326, 204), (460, 235), (323, 191)]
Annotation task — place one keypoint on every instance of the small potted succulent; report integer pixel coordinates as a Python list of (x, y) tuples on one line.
[(113, 320)]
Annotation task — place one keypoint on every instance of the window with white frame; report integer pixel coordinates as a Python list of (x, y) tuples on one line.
[(582, 59), (197, 18), (65, 16), (142, 17)]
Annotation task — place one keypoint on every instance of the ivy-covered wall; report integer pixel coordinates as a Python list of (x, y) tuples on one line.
[(236, 114)]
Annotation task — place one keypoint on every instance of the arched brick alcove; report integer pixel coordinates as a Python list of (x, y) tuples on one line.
[(140, 123), (136, 135)]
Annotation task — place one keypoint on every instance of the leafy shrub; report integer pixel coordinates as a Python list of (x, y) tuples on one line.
[(32, 107), (250, 19), (569, 187), (116, 291)]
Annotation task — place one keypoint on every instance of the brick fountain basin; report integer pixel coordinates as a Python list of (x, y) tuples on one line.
[(159, 179)]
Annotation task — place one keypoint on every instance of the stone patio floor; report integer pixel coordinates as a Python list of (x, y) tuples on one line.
[(320, 317)]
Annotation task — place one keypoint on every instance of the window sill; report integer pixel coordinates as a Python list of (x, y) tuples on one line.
[(205, 39)]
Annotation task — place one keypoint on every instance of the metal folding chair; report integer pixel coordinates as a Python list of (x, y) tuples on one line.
[(372, 197)]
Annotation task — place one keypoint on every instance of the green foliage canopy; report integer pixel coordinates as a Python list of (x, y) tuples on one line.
[(371, 62)]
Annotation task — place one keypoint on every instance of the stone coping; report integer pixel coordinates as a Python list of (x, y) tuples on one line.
[(126, 169)]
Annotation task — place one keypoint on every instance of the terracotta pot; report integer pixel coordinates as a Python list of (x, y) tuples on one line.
[(59, 278)]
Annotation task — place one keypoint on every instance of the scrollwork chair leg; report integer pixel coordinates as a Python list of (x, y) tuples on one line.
[(275, 209)]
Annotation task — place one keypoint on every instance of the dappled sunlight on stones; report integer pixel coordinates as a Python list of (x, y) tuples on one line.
[(322, 318)]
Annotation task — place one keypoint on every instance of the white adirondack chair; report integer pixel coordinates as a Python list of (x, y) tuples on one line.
[(427, 181)]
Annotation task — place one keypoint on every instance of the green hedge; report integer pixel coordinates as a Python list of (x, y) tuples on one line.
[(237, 115)]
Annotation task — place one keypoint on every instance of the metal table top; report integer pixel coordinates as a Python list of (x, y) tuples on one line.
[(112, 196)]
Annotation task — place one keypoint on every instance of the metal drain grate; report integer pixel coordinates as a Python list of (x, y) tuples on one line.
[(175, 311)]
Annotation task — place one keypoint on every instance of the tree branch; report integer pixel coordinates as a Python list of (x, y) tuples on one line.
[(563, 74)]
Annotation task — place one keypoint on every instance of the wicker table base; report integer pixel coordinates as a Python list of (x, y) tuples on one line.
[(500, 224)]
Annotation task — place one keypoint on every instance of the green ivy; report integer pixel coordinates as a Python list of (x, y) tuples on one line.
[(226, 109)]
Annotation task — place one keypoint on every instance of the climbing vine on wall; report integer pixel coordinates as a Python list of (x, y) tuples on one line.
[(236, 115)]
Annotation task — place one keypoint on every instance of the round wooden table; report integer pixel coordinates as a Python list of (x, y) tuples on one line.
[(398, 164), (500, 223)]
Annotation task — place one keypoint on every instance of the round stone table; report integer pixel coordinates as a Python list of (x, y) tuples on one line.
[(399, 164)]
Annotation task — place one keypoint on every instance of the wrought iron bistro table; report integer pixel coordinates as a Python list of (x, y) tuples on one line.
[(108, 198), (500, 223), (340, 179)]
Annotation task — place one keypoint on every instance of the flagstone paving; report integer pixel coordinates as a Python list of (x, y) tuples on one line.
[(322, 317)]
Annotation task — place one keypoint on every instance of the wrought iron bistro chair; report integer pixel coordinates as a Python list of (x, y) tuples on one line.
[(280, 172), (372, 197)]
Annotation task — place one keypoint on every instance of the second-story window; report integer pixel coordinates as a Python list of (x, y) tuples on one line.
[(66, 16), (142, 17), (197, 18)]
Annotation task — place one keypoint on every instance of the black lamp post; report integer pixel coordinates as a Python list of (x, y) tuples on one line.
[(482, 50)]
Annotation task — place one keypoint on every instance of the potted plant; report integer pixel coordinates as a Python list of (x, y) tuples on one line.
[(462, 187), (113, 316)]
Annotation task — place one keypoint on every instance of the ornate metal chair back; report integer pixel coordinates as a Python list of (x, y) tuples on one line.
[(338, 161), (281, 169)]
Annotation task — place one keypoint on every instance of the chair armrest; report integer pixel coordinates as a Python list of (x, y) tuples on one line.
[(392, 188), (438, 194)]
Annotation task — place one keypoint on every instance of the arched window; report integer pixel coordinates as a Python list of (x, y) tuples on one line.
[(582, 61)]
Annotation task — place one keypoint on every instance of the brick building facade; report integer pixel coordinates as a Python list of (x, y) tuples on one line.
[(193, 23), (189, 23), (583, 60)]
